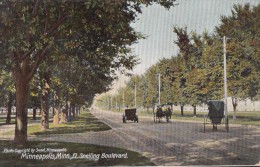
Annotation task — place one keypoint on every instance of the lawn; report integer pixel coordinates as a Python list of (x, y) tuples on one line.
[(68, 151), (85, 122), (3, 118)]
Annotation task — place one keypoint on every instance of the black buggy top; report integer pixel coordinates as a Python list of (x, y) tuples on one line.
[(130, 114), (215, 114), (216, 111)]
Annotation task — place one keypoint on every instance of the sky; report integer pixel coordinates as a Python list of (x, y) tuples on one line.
[(157, 24)]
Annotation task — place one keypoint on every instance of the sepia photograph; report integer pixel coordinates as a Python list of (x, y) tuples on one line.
[(129, 83)]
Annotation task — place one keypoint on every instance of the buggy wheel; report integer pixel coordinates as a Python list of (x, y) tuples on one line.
[(167, 119), (227, 127), (136, 118)]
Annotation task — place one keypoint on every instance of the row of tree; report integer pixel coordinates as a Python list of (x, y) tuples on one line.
[(195, 75), (63, 52)]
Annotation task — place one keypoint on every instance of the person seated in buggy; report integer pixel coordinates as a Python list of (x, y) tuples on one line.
[(159, 112), (169, 111), (163, 111)]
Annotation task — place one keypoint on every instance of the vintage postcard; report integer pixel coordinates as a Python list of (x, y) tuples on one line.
[(129, 83)]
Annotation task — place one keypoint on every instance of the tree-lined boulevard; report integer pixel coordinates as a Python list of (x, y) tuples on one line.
[(59, 59)]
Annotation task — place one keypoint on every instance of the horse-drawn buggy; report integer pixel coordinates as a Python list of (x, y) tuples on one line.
[(215, 115), (163, 111), (130, 114)]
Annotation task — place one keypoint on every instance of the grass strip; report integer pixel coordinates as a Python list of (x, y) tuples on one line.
[(85, 122)]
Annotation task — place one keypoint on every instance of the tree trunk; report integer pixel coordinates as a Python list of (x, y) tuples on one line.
[(80, 108), (53, 111), (34, 113), (234, 103), (56, 117), (76, 110), (45, 111), (45, 101), (194, 110), (9, 108), (22, 92), (63, 118), (73, 110), (182, 107), (67, 111)]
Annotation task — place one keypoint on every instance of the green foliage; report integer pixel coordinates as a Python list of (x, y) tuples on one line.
[(35, 36), (195, 75), (242, 27), (6, 86), (82, 33), (152, 86)]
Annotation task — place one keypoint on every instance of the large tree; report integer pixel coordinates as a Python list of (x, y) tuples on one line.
[(243, 51), (186, 53), (152, 86)]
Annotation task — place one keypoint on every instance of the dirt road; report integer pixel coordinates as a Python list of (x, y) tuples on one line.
[(183, 143)]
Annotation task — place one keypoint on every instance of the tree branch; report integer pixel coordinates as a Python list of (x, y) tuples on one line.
[(58, 8), (46, 20), (56, 25), (35, 8), (18, 55), (25, 55), (14, 57), (35, 65)]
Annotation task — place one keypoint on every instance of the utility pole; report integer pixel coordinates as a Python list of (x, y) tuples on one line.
[(111, 98), (116, 101), (225, 81), (159, 80), (135, 95), (123, 98), (108, 103)]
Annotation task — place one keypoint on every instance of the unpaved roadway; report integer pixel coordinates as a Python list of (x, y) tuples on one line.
[(174, 143), (184, 143)]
